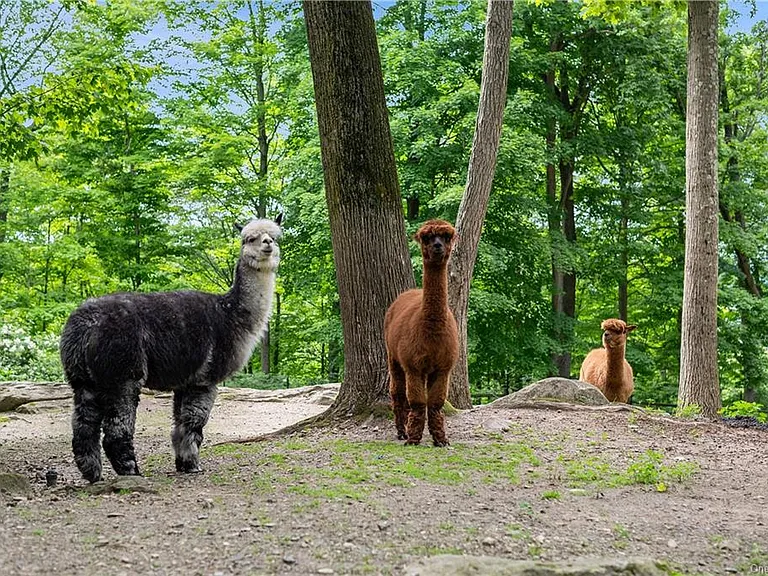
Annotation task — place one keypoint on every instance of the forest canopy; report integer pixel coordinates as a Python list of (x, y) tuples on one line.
[(135, 133)]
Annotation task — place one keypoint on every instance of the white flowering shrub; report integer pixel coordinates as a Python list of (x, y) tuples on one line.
[(25, 357)]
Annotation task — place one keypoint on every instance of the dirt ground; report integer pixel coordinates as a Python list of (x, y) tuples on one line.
[(523, 483)]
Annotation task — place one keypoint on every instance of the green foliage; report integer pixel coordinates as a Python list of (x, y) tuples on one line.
[(647, 468), (691, 411), (126, 158), (746, 409), (31, 358)]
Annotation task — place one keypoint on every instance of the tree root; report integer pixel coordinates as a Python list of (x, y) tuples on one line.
[(333, 416)]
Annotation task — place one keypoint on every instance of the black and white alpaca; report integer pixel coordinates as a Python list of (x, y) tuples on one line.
[(183, 341)]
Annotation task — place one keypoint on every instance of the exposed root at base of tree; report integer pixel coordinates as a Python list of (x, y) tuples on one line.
[(333, 416)]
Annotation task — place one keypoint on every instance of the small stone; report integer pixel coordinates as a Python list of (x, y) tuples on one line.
[(671, 543), (488, 541), (348, 545), (325, 571), (383, 525), (115, 515), (289, 560)]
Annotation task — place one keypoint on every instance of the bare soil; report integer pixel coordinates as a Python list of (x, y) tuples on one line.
[(350, 499)]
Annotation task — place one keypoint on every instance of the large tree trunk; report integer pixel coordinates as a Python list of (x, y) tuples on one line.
[(370, 250), (482, 166), (699, 383)]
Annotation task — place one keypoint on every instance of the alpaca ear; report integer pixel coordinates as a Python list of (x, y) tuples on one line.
[(279, 219), (631, 327), (238, 227)]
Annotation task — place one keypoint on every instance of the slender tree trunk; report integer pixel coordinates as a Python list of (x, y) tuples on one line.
[(555, 225), (699, 383), (563, 360), (276, 343), (370, 250), (482, 166), (624, 251), (258, 24), (5, 185)]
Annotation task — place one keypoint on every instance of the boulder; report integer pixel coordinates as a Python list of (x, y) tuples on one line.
[(449, 565), (554, 390), (15, 394)]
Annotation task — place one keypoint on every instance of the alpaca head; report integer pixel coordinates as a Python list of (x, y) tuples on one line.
[(436, 240), (615, 332), (259, 249)]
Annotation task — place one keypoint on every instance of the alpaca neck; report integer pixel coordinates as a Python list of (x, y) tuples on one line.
[(615, 366), (252, 292), (435, 298)]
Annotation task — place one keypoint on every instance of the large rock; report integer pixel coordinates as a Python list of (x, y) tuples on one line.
[(323, 394), (448, 565), (15, 394), (554, 390)]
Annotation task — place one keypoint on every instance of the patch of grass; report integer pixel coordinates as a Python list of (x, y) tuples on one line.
[(435, 550), (621, 536), (755, 562), (534, 551), (526, 508), (646, 469), (690, 412), (396, 465), (4, 419), (38, 532), (518, 532), (550, 495)]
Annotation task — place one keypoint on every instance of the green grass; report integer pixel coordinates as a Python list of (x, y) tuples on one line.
[(339, 469), (647, 468)]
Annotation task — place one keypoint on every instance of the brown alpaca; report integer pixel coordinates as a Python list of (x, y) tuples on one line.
[(422, 342), (606, 368)]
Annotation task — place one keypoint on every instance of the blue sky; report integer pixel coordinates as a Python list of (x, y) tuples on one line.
[(745, 22)]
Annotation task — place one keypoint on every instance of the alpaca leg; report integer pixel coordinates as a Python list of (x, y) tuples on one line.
[(86, 431), (119, 427), (437, 391), (399, 398), (191, 408), (417, 400)]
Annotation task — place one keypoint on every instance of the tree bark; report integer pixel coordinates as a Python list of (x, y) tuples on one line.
[(699, 383), (482, 166), (370, 250), (563, 360)]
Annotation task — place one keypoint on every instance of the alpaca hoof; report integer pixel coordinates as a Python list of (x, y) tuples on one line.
[(187, 467), (410, 442), (441, 443), (402, 436)]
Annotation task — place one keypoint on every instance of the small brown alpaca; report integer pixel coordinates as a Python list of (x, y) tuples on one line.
[(422, 342), (606, 368)]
